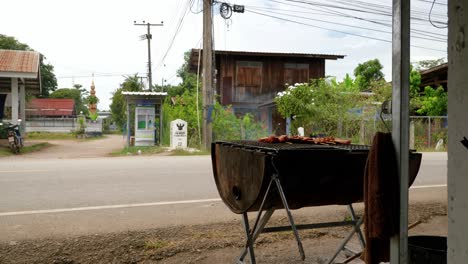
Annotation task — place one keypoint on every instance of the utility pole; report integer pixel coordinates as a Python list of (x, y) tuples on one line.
[(207, 88), (141, 80), (148, 36), (162, 84)]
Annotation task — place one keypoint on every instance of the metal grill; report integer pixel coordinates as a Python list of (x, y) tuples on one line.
[(285, 147)]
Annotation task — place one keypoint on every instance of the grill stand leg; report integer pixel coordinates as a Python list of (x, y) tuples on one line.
[(356, 229), (358, 232), (256, 232), (290, 217), (257, 229), (250, 242)]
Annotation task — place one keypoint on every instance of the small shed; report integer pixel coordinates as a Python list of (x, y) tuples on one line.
[(148, 117), (19, 74)]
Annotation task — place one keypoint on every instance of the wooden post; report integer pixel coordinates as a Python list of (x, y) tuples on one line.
[(207, 89)]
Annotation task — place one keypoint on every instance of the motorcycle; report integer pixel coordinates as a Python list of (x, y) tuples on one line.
[(14, 137)]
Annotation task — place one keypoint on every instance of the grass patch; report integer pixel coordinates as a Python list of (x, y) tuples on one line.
[(181, 152), (431, 149), (134, 150), (156, 244), (57, 136), (50, 136), (5, 150), (157, 150), (35, 147)]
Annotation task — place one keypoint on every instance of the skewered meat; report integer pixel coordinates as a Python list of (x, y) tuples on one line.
[(305, 140)]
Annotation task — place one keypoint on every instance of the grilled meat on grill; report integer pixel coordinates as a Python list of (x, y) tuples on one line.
[(305, 140)]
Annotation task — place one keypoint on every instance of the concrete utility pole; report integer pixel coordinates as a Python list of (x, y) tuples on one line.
[(148, 36), (400, 120), (207, 71)]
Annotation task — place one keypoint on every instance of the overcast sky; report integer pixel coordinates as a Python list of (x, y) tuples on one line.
[(84, 37)]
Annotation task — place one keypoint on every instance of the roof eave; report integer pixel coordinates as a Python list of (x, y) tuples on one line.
[(26, 75)]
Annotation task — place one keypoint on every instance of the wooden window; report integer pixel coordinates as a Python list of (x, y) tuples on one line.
[(248, 81), (296, 73)]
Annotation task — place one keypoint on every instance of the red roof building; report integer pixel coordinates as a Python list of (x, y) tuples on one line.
[(51, 108)]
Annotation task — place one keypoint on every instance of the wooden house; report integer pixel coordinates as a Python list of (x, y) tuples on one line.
[(434, 77), (249, 81)]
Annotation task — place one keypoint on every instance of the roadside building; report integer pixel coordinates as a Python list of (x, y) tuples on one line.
[(249, 81), (50, 108), (435, 77), (19, 75)]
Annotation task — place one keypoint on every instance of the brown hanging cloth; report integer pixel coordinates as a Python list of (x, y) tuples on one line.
[(381, 199)]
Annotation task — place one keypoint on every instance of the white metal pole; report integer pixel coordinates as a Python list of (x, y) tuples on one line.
[(14, 101), (22, 107)]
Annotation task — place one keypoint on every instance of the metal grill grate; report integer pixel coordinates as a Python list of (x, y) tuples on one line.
[(279, 147)]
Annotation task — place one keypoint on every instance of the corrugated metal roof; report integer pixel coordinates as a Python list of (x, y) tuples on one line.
[(17, 62), (273, 54), (442, 67), (145, 93), (194, 55), (50, 107)]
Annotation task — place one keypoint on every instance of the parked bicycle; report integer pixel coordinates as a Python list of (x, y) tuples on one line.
[(15, 141)]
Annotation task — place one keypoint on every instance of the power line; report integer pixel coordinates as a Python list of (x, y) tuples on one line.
[(97, 75), (428, 36), (430, 20), (427, 1), (331, 9), (178, 28), (338, 31)]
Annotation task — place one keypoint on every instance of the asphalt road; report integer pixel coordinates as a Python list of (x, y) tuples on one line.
[(61, 197)]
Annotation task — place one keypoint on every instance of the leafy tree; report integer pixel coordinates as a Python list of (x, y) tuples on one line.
[(118, 106), (318, 106), (433, 102), (71, 93), (48, 79), (427, 64), (189, 80), (183, 107), (10, 43), (368, 72)]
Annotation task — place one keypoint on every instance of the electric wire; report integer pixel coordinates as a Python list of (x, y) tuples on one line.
[(338, 31), (428, 36), (388, 14), (430, 20), (177, 30)]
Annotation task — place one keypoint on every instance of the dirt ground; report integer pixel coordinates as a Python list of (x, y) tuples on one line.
[(69, 149), (203, 244)]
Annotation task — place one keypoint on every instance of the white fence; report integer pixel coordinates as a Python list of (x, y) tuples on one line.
[(64, 125)]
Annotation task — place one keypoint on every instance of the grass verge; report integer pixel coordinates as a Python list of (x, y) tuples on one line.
[(157, 150), (5, 150), (56, 136), (50, 136), (181, 152), (134, 151)]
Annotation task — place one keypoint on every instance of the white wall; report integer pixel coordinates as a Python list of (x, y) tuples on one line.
[(458, 128)]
